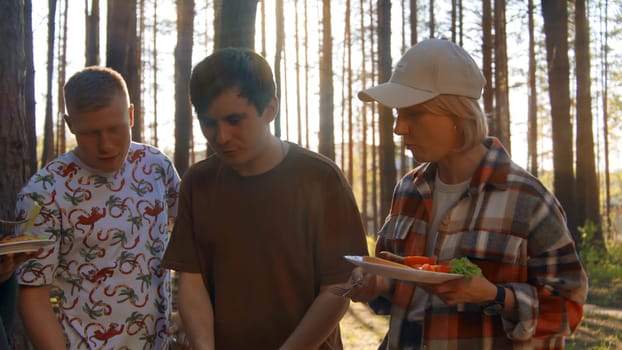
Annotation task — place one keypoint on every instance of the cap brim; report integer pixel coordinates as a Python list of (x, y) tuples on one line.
[(395, 95)]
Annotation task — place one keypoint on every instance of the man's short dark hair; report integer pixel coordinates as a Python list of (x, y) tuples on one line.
[(232, 68), (93, 88)]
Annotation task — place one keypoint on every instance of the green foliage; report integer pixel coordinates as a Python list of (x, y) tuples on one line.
[(603, 265), (596, 332)]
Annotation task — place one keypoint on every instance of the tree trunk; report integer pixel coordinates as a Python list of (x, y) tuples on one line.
[(374, 146), (487, 45), (432, 20), (587, 185), (306, 70), (388, 174), (402, 146), (555, 17), (453, 21), (605, 99), (460, 23), (138, 76), (532, 109), (413, 22), (92, 33), (61, 143), (502, 97), (183, 67), (154, 67), (237, 23), (119, 24), (297, 69), (123, 53), (364, 126), (263, 29), (284, 110), (326, 142), (48, 125), (280, 38), (31, 127), (134, 72), (217, 22), (342, 119), (16, 130), (349, 94)]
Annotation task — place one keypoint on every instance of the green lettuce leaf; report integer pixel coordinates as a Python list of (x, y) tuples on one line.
[(465, 267)]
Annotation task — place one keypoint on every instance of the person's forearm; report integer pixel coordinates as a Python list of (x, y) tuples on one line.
[(41, 324), (319, 321), (195, 309)]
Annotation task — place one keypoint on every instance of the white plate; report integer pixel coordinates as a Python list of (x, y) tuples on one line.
[(24, 246), (398, 271)]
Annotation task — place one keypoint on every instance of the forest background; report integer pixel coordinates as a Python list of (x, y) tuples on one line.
[(553, 93)]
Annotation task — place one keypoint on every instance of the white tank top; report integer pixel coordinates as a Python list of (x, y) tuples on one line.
[(443, 198)]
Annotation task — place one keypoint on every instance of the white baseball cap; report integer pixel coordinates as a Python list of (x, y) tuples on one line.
[(430, 68)]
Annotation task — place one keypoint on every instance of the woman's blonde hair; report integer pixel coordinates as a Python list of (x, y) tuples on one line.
[(468, 114)]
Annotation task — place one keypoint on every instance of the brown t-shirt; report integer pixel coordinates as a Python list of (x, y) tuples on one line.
[(266, 243)]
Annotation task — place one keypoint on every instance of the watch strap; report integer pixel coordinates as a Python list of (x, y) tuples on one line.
[(495, 307)]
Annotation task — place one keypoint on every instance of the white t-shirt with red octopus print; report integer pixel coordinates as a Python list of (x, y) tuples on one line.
[(111, 230)]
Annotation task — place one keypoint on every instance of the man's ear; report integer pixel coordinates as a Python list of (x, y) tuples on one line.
[(131, 114), (68, 122), (271, 110)]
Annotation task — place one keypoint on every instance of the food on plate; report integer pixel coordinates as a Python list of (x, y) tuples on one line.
[(19, 238), (375, 260), (433, 267), (425, 263), (418, 260), (462, 266), (465, 267), (392, 257)]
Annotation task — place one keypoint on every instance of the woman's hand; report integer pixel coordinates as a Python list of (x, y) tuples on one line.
[(477, 290)]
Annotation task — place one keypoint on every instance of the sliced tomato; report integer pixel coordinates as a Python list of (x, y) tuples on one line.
[(441, 268), (427, 267), (415, 260)]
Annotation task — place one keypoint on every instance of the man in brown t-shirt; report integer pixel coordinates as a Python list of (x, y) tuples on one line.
[(262, 224)]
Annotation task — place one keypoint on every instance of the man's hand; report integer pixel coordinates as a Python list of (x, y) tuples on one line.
[(9, 262), (177, 334), (369, 286), (196, 311), (319, 321)]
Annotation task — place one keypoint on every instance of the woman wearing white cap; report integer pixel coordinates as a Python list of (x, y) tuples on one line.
[(469, 199)]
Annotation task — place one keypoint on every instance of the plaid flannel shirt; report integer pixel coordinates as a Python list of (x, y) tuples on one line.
[(508, 224)]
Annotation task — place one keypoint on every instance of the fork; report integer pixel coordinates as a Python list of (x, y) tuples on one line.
[(343, 291)]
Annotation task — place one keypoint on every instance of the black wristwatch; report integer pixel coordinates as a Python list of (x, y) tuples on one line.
[(495, 307)]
